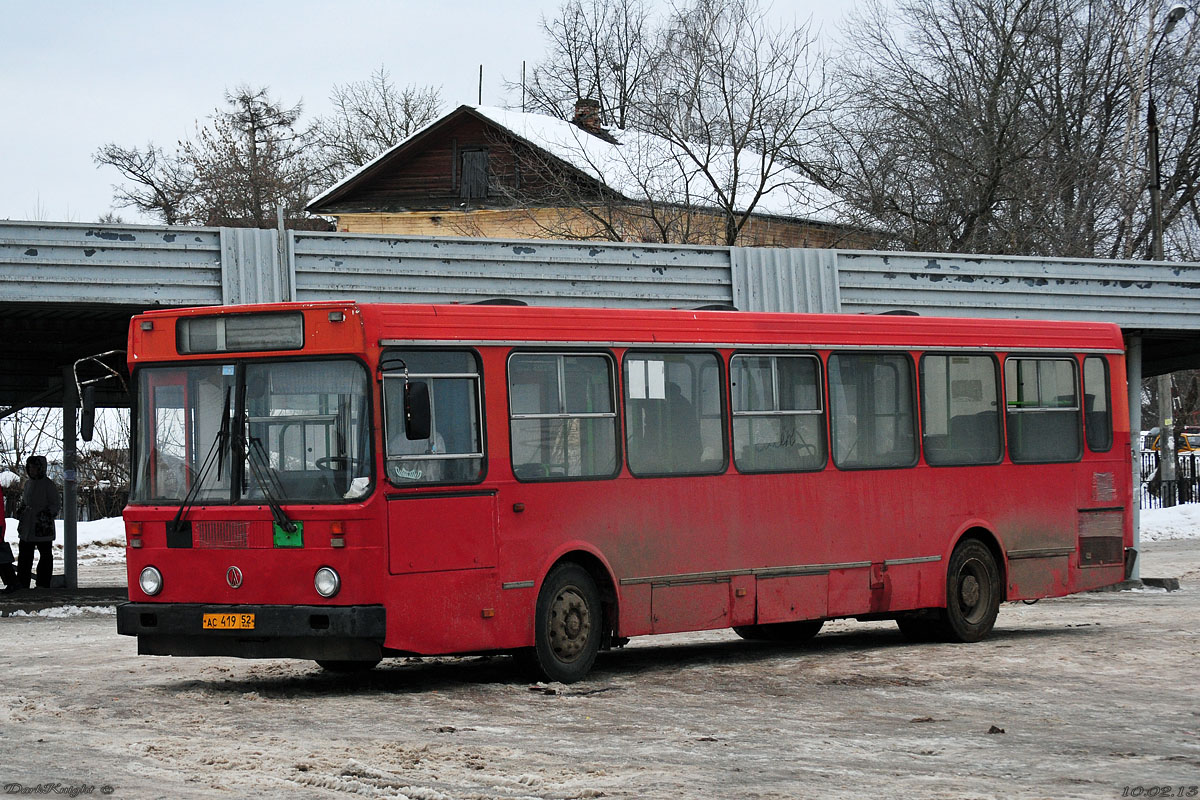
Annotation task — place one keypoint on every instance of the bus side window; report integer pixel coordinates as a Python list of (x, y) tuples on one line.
[(673, 422), (1097, 419), (778, 422), (871, 401), (453, 452), (960, 405), (1042, 399), (563, 421)]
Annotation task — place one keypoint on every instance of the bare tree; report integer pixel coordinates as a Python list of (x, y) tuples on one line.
[(251, 158), (160, 184), (711, 109), (602, 50), (1010, 126), (103, 465), (738, 98), (368, 118), (248, 162), (31, 431)]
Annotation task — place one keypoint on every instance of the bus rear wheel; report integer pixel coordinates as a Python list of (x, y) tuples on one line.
[(973, 594), (568, 625), (794, 632)]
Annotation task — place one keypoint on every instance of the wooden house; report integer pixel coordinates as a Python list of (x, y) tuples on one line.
[(489, 172)]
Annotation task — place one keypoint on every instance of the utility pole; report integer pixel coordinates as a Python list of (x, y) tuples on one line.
[(1166, 415)]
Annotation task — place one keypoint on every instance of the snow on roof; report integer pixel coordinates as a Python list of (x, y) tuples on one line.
[(643, 167)]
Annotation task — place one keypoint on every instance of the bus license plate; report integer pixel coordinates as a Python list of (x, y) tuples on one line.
[(228, 622)]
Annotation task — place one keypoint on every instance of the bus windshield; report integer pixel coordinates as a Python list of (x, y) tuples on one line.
[(293, 431)]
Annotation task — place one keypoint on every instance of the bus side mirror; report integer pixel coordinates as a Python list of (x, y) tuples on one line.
[(87, 414), (416, 410)]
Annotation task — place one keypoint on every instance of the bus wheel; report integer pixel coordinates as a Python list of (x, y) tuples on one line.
[(794, 632), (973, 592), (568, 626), (347, 666)]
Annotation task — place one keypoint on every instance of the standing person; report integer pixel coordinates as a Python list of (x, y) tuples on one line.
[(39, 507), (6, 556)]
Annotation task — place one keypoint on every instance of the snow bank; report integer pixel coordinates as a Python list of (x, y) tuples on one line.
[(100, 542), (1180, 522), (59, 612), (102, 531)]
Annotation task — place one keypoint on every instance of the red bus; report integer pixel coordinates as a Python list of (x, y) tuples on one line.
[(345, 482)]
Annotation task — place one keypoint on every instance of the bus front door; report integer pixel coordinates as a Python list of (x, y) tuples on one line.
[(444, 531)]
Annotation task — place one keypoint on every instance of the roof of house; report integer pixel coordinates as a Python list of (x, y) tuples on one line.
[(636, 165)]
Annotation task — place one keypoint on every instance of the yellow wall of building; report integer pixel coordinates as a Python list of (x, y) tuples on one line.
[(570, 223)]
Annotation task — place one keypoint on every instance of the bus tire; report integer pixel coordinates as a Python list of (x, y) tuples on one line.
[(568, 625), (794, 632), (973, 592), (347, 666)]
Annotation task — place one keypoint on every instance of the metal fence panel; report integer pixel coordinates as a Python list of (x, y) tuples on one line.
[(1133, 294), (775, 279), (396, 269), (252, 269), (52, 262)]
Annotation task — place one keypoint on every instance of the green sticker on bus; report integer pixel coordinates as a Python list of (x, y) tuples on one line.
[(293, 539)]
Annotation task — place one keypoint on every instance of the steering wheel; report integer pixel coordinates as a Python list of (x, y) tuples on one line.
[(333, 463)]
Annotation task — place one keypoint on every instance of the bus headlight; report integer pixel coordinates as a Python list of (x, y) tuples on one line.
[(151, 581), (327, 582)]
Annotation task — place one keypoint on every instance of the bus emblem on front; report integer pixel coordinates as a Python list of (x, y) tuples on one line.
[(233, 576)]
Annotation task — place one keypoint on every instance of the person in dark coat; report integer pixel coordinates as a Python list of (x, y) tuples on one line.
[(7, 573), (35, 524)]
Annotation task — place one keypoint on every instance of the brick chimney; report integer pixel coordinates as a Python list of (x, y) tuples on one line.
[(587, 115)]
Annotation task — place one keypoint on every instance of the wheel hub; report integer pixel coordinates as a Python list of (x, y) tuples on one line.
[(969, 591), (570, 624)]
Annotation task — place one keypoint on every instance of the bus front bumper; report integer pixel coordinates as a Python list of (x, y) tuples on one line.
[(335, 633)]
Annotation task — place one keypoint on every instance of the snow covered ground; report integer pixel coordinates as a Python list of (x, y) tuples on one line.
[(1076, 698)]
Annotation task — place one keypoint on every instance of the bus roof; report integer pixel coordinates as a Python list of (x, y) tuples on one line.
[(515, 324), (391, 323)]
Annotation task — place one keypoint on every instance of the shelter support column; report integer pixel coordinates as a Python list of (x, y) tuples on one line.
[(70, 502), (1133, 375), (1166, 439)]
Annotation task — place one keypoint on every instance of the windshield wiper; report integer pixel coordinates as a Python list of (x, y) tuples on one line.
[(268, 480), (216, 454), (264, 474)]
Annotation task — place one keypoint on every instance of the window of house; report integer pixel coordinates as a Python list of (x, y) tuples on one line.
[(871, 405), (960, 405), (778, 424), (453, 453), (562, 415), (1097, 407), (673, 419), (1042, 400)]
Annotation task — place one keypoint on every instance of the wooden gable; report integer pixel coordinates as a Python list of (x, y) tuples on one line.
[(463, 161)]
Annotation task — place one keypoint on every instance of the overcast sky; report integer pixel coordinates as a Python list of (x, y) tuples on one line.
[(76, 75)]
